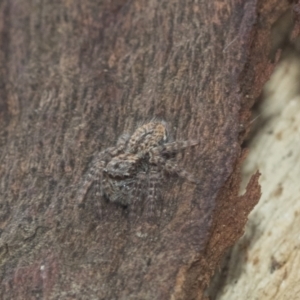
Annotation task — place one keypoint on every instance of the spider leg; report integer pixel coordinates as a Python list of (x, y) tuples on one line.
[(153, 196), (155, 157), (173, 147), (99, 193), (172, 168), (120, 147), (94, 174), (137, 193)]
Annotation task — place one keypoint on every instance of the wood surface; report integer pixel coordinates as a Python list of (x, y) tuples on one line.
[(74, 76), (264, 263)]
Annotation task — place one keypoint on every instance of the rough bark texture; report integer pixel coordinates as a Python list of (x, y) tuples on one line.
[(265, 262), (77, 74)]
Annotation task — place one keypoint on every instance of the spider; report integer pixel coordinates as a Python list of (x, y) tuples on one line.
[(132, 172)]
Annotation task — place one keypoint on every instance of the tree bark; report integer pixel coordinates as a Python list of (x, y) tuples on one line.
[(265, 262), (75, 75)]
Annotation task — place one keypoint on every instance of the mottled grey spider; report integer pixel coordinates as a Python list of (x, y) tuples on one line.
[(132, 172)]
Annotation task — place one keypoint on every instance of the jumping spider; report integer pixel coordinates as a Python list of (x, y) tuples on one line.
[(132, 172)]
